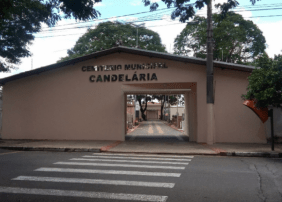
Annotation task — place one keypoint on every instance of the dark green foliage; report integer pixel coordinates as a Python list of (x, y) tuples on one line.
[(110, 34), (265, 83), (235, 39), (20, 19)]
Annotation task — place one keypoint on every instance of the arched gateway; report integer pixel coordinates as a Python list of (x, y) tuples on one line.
[(85, 98)]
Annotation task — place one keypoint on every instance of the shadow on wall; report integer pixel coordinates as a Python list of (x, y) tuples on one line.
[(277, 125)]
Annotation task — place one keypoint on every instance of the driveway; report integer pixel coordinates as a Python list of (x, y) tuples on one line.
[(156, 131)]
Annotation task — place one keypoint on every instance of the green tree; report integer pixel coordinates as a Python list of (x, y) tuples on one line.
[(109, 34), (171, 99), (265, 83), (21, 19), (235, 39), (143, 102)]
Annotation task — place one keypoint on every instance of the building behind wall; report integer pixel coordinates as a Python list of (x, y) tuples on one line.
[(72, 101)]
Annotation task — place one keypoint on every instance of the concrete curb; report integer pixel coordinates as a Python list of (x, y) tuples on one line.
[(234, 154), (164, 153), (252, 154), (133, 129), (51, 149)]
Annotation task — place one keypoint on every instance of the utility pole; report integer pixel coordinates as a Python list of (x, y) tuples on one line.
[(137, 38), (222, 55), (210, 94), (137, 26), (177, 115)]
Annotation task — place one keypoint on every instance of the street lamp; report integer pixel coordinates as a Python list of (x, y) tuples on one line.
[(137, 26)]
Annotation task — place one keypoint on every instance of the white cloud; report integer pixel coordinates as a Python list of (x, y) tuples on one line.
[(135, 3), (99, 4), (272, 33), (46, 51), (139, 2), (167, 29), (123, 19)]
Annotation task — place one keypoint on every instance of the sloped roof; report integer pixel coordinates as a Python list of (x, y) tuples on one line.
[(123, 49)]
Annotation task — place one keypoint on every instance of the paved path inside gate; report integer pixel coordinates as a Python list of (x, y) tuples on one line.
[(156, 131)]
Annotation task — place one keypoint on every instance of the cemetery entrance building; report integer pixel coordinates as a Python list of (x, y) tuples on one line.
[(85, 98)]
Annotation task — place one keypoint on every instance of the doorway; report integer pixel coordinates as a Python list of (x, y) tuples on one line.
[(162, 130)]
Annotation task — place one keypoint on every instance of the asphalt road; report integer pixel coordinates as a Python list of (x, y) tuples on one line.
[(51, 176)]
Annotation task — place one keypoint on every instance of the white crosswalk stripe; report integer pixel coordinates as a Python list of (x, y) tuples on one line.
[(129, 161), (119, 165), (143, 155), (95, 181), (74, 193), (120, 157), (113, 172)]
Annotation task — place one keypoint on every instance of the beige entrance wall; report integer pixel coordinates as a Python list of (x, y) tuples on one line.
[(63, 104), (152, 114)]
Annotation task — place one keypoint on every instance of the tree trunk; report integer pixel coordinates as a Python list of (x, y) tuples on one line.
[(143, 110), (162, 107)]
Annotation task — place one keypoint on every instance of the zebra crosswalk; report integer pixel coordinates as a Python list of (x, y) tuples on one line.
[(164, 169)]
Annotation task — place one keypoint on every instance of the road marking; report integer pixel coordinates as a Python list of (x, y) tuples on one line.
[(11, 152), (142, 155), (119, 165), (160, 130), (84, 194), (128, 161), (113, 172), (95, 181), (119, 157), (150, 130)]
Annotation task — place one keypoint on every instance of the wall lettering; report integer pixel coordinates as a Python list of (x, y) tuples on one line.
[(124, 77)]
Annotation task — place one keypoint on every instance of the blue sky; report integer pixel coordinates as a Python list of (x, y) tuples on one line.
[(49, 45)]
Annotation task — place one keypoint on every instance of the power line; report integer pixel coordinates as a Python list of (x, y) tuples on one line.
[(262, 5), (155, 18), (145, 18), (140, 20), (157, 26), (113, 17), (265, 16)]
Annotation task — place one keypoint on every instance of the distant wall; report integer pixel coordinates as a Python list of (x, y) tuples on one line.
[(277, 123), (173, 111)]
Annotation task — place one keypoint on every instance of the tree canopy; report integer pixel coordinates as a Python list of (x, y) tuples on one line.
[(265, 82), (235, 39), (109, 34), (21, 19), (171, 99)]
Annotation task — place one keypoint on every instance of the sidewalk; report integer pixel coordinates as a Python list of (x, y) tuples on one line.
[(147, 147)]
